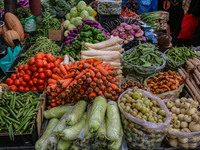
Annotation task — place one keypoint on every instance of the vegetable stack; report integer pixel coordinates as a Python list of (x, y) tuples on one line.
[(85, 80)]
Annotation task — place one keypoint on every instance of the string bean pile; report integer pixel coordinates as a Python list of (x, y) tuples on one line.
[(145, 55), (178, 56), (42, 44), (18, 111)]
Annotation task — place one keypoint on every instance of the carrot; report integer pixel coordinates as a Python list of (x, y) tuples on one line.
[(102, 71), (58, 90), (61, 81), (83, 77), (62, 94), (81, 74), (53, 94), (90, 90), (96, 89), (96, 63), (87, 74), (95, 79), (51, 81), (68, 91), (80, 81), (77, 72), (103, 88), (48, 87), (59, 72), (86, 65), (93, 84), (92, 95), (98, 75), (78, 97), (100, 92), (111, 68), (100, 82), (53, 104), (80, 67), (103, 78), (56, 77), (84, 87), (53, 87), (67, 82), (66, 67), (56, 98), (54, 70), (109, 90), (112, 73), (63, 70), (81, 91), (92, 73), (85, 97), (75, 91), (53, 101), (69, 75), (74, 83), (49, 107), (78, 86), (113, 93)]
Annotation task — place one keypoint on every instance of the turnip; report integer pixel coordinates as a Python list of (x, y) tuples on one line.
[(139, 33), (121, 29), (194, 127), (130, 37), (123, 24), (193, 145), (187, 118), (180, 117), (184, 124), (177, 124), (183, 111), (132, 32), (173, 142), (128, 27), (195, 117), (136, 28), (183, 140)]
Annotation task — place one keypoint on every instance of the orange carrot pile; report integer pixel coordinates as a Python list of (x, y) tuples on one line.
[(128, 13), (164, 82), (83, 80)]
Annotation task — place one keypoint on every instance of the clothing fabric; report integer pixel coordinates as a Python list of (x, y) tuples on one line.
[(186, 5)]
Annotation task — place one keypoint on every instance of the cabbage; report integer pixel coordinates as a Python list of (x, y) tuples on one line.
[(90, 17), (81, 6), (67, 16), (71, 27), (66, 24), (72, 21), (77, 21), (90, 11), (84, 14), (73, 12)]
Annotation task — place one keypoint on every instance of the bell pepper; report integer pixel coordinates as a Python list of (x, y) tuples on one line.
[(86, 34), (85, 28)]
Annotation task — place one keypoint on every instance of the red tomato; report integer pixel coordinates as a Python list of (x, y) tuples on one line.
[(43, 54), (13, 88), (38, 56), (41, 87), (57, 63), (21, 79), (30, 83), (45, 63), (16, 71), (52, 65), (26, 78), (60, 58), (40, 70), (20, 67), (18, 75), (10, 82), (36, 74), (54, 70), (21, 73), (40, 81), (27, 89), (21, 88), (35, 80), (48, 66), (39, 63), (34, 88), (17, 82), (7, 80), (13, 76), (28, 72), (33, 68), (23, 83), (26, 67), (31, 61), (45, 58), (48, 72), (50, 57), (42, 75)]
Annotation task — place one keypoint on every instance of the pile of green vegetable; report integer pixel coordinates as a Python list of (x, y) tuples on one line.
[(99, 127), (18, 111), (42, 44), (178, 55), (86, 34), (74, 18), (23, 13), (46, 22)]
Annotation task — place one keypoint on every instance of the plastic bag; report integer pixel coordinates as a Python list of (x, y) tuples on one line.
[(29, 24), (166, 95), (144, 134), (184, 140), (147, 6)]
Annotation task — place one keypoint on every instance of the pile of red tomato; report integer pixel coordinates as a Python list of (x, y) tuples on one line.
[(33, 76)]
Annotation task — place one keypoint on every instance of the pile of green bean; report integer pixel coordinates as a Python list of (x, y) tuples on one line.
[(18, 111), (145, 55), (42, 44), (178, 56)]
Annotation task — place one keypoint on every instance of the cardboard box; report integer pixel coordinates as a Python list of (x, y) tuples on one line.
[(56, 35)]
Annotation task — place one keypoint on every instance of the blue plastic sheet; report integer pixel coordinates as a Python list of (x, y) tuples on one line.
[(146, 6)]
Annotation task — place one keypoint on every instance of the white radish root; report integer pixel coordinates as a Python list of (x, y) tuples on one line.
[(99, 53)]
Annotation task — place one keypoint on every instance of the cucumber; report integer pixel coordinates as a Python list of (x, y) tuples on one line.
[(63, 145), (43, 142)]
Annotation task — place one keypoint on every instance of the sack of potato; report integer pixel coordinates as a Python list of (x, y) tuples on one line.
[(145, 118)]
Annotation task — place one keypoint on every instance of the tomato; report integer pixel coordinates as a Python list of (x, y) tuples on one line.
[(40, 81), (23, 83), (34, 88), (57, 63), (42, 75), (16, 71), (26, 67), (48, 72), (27, 89), (18, 75), (40, 70), (45, 58), (28, 72), (60, 58), (10, 82), (30, 83), (20, 67), (17, 82), (48, 66), (26, 78), (52, 65), (35, 80), (38, 56), (7, 80), (39, 63), (54, 70), (43, 54), (33, 68), (45, 63), (21, 88), (13, 88), (13, 76), (36, 74), (41, 87), (21, 73), (31, 61), (21, 79), (50, 57)]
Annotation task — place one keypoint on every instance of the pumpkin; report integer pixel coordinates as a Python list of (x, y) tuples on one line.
[(3, 30), (9, 36), (13, 23)]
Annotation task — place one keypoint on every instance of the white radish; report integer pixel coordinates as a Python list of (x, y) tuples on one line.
[(119, 71), (66, 59), (99, 53), (115, 47), (104, 44), (104, 58), (120, 67)]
